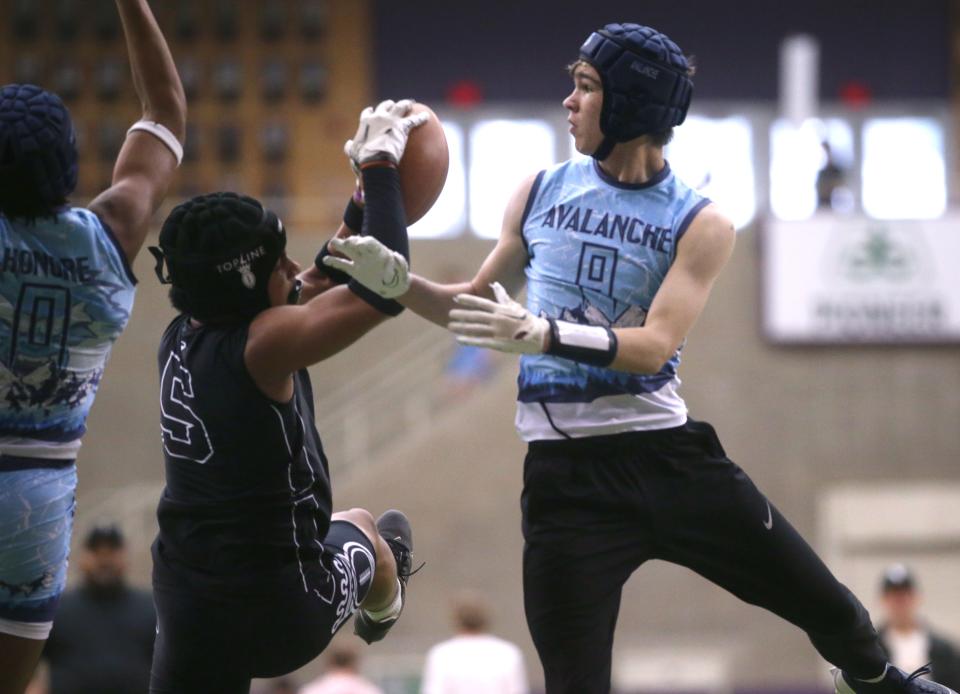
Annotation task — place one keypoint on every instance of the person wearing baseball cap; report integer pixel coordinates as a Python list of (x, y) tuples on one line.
[(905, 635)]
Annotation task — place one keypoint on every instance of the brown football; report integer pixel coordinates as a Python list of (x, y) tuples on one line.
[(423, 166)]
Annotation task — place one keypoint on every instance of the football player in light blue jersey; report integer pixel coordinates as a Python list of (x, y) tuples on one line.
[(66, 292), (620, 257)]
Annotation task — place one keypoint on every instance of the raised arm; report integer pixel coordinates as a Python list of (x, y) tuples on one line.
[(505, 264), (151, 153)]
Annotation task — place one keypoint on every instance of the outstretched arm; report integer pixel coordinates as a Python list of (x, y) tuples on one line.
[(505, 264), (506, 326), (147, 160)]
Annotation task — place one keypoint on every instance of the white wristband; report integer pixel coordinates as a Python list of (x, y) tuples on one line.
[(162, 133)]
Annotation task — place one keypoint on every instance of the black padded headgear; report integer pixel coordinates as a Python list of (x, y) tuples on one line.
[(220, 250), (646, 88), (38, 151)]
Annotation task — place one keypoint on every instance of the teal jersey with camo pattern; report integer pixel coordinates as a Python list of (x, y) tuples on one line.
[(66, 293), (598, 252)]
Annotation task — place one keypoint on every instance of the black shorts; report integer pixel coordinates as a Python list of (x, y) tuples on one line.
[(209, 643)]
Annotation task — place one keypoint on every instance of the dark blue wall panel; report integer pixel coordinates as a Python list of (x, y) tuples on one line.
[(517, 50)]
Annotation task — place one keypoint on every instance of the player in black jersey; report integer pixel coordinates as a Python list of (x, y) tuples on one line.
[(253, 574)]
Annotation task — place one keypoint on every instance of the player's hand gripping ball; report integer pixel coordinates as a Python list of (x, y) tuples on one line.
[(372, 264), (417, 141)]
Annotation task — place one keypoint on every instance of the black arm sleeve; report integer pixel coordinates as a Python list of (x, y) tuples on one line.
[(383, 216)]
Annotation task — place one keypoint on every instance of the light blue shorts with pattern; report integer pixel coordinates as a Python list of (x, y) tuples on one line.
[(36, 520)]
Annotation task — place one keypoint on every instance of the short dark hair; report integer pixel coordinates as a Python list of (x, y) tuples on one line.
[(105, 535), (471, 613), (344, 657)]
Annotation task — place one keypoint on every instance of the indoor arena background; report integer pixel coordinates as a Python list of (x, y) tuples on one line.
[(827, 357)]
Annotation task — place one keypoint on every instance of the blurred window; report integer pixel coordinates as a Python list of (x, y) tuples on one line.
[(273, 20), (313, 18), (273, 80), (191, 143), (190, 76), (903, 168), (66, 20), (226, 21), (28, 69), (25, 24), (228, 79), (66, 80), (274, 141), (108, 78), (447, 217), (313, 81), (810, 168), (187, 20), (715, 156), (106, 21), (229, 143), (502, 154), (110, 137)]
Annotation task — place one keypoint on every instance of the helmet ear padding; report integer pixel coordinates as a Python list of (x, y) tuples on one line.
[(38, 151), (646, 85), (220, 250)]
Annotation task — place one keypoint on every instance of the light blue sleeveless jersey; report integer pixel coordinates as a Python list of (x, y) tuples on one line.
[(598, 252), (66, 294)]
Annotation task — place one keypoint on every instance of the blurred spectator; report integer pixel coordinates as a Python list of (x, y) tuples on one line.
[(831, 182), (907, 638), (467, 368), (474, 661), (342, 676), (103, 638)]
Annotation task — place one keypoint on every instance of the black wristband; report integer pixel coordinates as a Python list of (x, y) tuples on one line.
[(383, 216), (390, 307), (353, 217), (335, 275), (583, 343)]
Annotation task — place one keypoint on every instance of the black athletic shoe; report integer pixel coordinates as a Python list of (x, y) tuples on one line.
[(394, 528), (895, 681)]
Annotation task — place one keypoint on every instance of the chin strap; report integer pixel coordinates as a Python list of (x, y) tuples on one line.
[(293, 298)]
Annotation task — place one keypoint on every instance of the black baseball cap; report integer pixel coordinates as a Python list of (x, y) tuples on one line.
[(898, 577), (104, 534)]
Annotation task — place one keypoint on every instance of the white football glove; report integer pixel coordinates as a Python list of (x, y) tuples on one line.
[(383, 131), (503, 324), (372, 264)]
